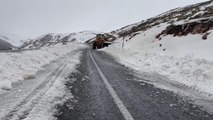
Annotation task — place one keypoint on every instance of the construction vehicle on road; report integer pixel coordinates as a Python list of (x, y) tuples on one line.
[(100, 42)]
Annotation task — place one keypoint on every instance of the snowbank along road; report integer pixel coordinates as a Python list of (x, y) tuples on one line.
[(105, 90), (31, 99)]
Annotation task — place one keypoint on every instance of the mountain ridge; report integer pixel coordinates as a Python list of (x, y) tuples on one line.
[(62, 38)]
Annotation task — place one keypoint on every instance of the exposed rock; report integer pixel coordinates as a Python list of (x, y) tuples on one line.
[(197, 27), (133, 35), (205, 36)]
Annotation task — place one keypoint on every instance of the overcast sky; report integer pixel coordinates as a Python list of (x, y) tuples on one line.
[(31, 18)]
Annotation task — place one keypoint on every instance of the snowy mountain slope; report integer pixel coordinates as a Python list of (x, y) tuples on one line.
[(176, 44), (52, 39), (181, 32), (178, 15), (13, 39)]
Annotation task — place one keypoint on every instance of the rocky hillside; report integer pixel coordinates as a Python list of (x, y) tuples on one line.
[(195, 27), (194, 19), (53, 39)]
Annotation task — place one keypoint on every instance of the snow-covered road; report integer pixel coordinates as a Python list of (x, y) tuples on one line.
[(36, 98)]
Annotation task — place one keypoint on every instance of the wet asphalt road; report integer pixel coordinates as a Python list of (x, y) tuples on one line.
[(93, 101)]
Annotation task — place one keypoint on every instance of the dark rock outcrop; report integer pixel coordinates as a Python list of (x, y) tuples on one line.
[(198, 27)]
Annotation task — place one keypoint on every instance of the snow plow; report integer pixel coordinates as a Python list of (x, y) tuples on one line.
[(100, 42)]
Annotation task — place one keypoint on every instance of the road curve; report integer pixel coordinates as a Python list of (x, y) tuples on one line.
[(105, 90)]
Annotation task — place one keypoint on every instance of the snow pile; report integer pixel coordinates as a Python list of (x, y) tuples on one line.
[(16, 67)]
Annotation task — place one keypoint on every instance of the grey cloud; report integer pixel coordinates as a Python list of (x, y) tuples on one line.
[(31, 18)]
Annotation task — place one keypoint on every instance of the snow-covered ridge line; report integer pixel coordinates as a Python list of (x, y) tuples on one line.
[(179, 9), (64, 38), (21, 66)]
